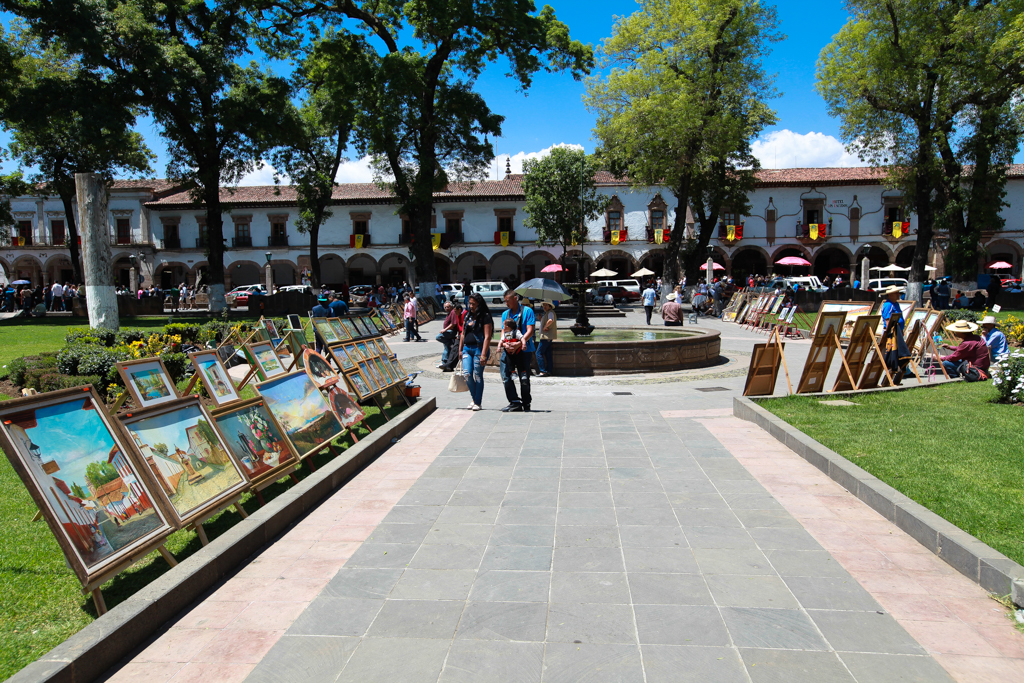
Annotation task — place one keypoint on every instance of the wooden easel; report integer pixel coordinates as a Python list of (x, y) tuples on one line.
[(876, 367), (94, 586), (197, 525), (816, 368), (789, 329), (857, 351), (764, 367)]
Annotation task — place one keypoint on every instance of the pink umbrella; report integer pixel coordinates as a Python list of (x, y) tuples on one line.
[(718, 266), (792, 261), (553, 268), (999, 265)]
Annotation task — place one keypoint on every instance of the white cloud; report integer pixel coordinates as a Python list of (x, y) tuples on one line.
[(786, 149), (262, 175), (355, 172), (498, 163)]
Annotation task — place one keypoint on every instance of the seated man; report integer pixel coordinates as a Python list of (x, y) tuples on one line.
[(994, 339), (672, 313), (971, 348)]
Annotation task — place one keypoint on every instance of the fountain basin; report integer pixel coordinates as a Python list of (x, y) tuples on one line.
[(631, 350)]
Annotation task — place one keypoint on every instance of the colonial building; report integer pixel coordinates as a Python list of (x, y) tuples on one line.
[(833, 217)]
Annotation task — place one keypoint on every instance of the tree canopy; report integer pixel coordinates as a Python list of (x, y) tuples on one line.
[(684, 99)]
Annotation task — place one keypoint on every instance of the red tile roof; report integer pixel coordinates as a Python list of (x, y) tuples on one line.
[(157, 185)]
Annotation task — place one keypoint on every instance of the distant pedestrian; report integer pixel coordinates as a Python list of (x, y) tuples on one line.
[(672, 313), (547, 332), (410, 319), (650, 297)]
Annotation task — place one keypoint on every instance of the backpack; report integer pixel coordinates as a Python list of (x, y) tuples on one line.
[(971, 372)]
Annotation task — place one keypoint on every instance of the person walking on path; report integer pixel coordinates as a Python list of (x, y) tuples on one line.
[(410, 319), (449, 335), (649, 297), (475, 347), (515, 362), (547, 334), (57, 294)]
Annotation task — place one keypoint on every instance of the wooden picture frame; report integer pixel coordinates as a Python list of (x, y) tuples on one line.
[(823, 348), (326, 332), (308, 422), (354, 352), (764, 370), (371, 380), (365, 350), (342, 359), (350, 327), (270, 327), (338, 328), (47, 438), (215, 377), (381, 380), (294, 322), (253, 436), (358, 385), (348, 411), (263, 357), (319, 369), (399, 372), (857, 352), (377, 322), (148, 382), (187, 456), (383, 371)]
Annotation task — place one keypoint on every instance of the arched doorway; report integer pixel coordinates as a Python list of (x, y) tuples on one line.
[(243, 273), (505, 267), (619, 261), (749, 262), (654, 261), (27, 268), (284, 273), (832, 261), (332, 271), (362, 270), (443, 269), (471, 266), (536, 261), (393, 269), (905, 256), (789, 270)]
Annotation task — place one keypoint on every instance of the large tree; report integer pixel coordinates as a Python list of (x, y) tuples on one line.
[(420, 117), (681, 104), (922, 89), (180, 60), (66, 120), (314, 142), (561, 197)]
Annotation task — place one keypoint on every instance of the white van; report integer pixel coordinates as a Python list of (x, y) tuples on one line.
[(631, 285), (881, 283), (492, 292), (452, 290)]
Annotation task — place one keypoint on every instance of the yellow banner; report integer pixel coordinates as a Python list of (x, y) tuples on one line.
[(435, 241), (504, 238), (730, 232), (659, 236), (615, 236), (814, 231), (897, 229), (359, 241)]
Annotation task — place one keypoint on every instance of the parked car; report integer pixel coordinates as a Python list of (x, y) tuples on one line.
[(881, 283), (621, 295), (239, 296), (630, 284), (806, 282), (492, 292), (357, 294), (453, 290), (296, 288)]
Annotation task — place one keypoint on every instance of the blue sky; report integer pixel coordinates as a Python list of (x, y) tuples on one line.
[(552, 111)]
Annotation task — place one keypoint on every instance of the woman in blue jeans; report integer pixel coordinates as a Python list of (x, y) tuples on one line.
[(475, 347)]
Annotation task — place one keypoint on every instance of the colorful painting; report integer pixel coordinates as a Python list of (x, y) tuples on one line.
[(90, 489), (371, 381), (307, 418), (266, 360), (338, 328), (358, 384), (375, 321), (254, 439), (342, 357), (318, 369), (366, 352), (215, 377), (393, 368), (325, 331), (187, 456), (364, 329), (353, 351), (381, 380), (148, 382), (347, 410), (386, 378), (350, 328)]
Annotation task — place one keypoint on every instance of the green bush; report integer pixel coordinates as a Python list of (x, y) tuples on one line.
[(189, 331), (1008, 378), (16, 370), (176, 363), (954, 314), (91, 336), (127, 336), (90, 359)]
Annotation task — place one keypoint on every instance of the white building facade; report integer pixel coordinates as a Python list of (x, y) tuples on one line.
[(482, 235)]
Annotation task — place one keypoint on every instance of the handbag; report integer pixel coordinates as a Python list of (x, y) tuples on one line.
[(457, 383)]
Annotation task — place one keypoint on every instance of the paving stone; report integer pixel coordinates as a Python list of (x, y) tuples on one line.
[(746, 561), (603, 587), (806, 563), (652, 537), (327, 616), (458, 534), (669, 589), (304, 659), (527, 515), (357, 582), (788, 666), (434, 584), (675, 664), (399, 533), (784, 629), (586, 516), (413, 514), (450, 557), (590, 623), (374, 660), (881, 668), (524, 558), (865, 632), (530, 499), (522, 621), (468, 514), (417, 619), (586, 663), (680, 625), (831, 593), (679, 560), (606, 536), (523, 534), (751, 591), (473, 661), (387, 555), (499, 585), (587, 559)]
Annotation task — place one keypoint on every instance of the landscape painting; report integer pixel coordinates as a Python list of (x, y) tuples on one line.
[(187, 457), (364, 370), (215, 377), (266, 360), (339, 329), (358, 384), (342, 358), (325, 330), (307, 418), (147, 381), (85, 482), (350, 328), (254, 439)]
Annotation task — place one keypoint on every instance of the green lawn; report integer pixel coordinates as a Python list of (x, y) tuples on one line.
[(948, 448), (32, 337)]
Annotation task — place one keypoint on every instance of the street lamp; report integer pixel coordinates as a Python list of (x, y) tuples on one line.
[(268, 255), (710, 264)]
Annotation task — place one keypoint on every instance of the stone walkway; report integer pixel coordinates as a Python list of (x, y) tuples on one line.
[(584, 546)]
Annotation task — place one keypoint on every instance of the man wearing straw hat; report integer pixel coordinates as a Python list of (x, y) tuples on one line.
[(971, 349), (996, 340)]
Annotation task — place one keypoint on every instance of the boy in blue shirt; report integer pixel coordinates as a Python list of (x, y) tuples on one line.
[(338, 306), (517, 363)]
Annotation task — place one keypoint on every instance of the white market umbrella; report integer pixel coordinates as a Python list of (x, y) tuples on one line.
[(604, 272), (542, 288), (643, 272), (891, 269), (930, 269)]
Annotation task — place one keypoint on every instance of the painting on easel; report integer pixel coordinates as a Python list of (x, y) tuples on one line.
[(88, 485), (215, 377), (308, 421), (253, 437)]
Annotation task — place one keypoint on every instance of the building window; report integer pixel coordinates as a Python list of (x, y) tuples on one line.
[(243, 235), (504, 223), (124, 231), (657, 220), (360, 227), (172, 239), (279, 234), (812, 216), (893, 214), (730, 217), (57, 231), (453, 226), (614, 220)]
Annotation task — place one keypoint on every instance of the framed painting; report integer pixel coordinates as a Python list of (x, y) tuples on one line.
[(325, 331), (188, 458), (401, 368), (371, 329), (829, 323), (271, 329), (215, 377), (381, 380), (347, 410), (396, 370), (319, 370), (350, 327), (342, 358), (90, 486), (371, 380), (254, 438), (387, 379), (265, 359), (147, 381), (365, 350), (357, 323), (353, 351), (296, 343), (339, 329), (294, 322), (358, 384), (306, 418), (377, 323)]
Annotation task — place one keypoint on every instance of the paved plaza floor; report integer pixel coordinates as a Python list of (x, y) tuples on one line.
[(642, 537)]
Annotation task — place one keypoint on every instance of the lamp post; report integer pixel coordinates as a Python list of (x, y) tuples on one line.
[(133, 275), (710, 264), (582, 327), (269, 274)]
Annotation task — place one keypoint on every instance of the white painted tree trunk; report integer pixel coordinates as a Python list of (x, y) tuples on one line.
[(100, 297)]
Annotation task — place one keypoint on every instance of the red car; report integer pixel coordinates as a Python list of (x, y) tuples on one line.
[(619, 294)]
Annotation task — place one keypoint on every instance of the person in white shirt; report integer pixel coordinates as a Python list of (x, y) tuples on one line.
[(56, 297)]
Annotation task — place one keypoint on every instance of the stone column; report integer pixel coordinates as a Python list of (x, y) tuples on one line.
[(865, 272), (100, 297), (269, 279), (133, 280)]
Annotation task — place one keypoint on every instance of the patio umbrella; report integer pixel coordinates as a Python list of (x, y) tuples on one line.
[(792, 261), (21, 282), (891, 269), (995, 265), (643, 272), (717, 266), (930, 268), (542, 288), (553, 268), (604, 272)]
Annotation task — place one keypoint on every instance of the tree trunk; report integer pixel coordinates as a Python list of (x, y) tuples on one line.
[(214, 247), (100, 297), (422, 249), (923, 186), (314, 254), (670, 269), (66, 191)]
